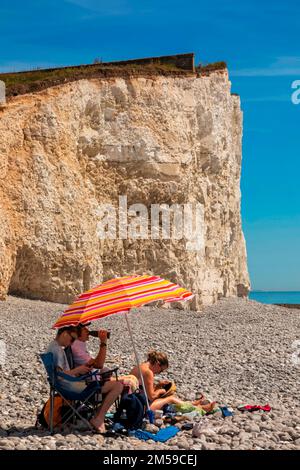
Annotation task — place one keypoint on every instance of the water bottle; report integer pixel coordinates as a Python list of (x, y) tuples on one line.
[(94, 333)]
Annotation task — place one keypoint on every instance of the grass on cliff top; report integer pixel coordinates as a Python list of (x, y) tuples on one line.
[(35, 80), (20, 83), (205, 69)]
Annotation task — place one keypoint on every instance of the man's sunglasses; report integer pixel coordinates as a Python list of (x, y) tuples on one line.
[(73, 337)]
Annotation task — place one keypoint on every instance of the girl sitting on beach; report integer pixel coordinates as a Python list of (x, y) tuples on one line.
[(156, 363)]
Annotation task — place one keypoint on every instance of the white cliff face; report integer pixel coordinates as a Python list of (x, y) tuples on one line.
[(66, 151)]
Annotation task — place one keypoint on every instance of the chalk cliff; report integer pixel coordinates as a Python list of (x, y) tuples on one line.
[(67, 150)]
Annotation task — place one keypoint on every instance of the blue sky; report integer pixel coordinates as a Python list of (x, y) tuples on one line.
[(259, 40)]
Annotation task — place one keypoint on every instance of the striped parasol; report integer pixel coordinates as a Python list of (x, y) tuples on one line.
[(120, 295)]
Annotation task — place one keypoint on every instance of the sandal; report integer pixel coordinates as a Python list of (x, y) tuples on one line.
[(96, 430)]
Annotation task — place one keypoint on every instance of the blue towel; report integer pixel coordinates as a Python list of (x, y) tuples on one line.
[(225, 411), (163, 435)]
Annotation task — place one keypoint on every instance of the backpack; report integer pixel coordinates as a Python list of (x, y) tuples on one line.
[(131, 410), (60, 413)]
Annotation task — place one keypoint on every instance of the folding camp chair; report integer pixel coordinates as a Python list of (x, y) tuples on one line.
[(86, 401), (101, 376)]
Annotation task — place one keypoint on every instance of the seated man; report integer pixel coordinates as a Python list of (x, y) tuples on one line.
[(64, 338), (80, 352), (81, 356)]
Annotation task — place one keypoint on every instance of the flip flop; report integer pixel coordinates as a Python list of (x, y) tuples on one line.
[(115, 434), (187, 427), (174, 420), (96, 430)]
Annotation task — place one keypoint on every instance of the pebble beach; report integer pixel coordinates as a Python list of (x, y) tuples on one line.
[(236, 351)]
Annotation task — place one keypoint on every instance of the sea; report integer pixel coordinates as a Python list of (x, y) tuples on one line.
[(275, 297)]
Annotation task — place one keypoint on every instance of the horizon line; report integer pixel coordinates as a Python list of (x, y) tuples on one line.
[(291, 291)]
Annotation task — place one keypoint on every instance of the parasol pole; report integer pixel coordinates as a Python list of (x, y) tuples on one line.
[(149, 412)]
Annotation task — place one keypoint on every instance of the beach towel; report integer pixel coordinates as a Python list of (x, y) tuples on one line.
[(163, 435), (254, 407), (188, 407)]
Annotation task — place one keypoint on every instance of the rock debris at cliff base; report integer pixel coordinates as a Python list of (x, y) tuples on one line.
[(237, 351)]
